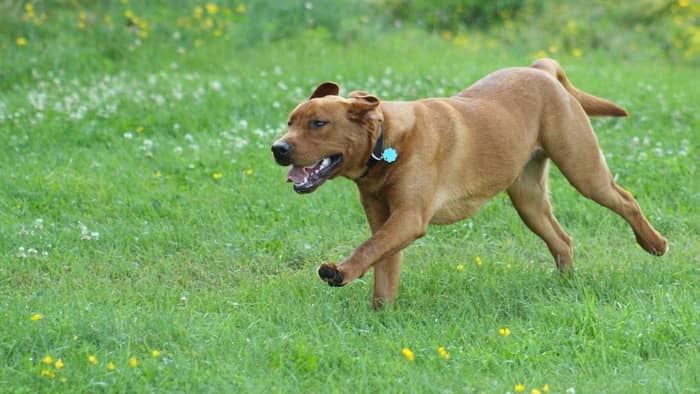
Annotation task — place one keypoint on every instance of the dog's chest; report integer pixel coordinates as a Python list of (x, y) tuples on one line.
[(450, 210)]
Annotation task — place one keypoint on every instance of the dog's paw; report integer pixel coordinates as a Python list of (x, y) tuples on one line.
[(329, 273)]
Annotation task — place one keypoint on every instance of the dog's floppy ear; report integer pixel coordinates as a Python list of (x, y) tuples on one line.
[(326, 89), (363, 106), (358, 94)]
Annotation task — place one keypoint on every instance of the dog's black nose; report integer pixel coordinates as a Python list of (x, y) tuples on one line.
[(282, 152)]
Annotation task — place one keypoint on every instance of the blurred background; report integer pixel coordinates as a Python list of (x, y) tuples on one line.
[(61, 32)]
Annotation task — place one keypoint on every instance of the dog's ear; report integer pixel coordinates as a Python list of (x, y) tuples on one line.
[(358, 94), (326, 89), (364, 106)]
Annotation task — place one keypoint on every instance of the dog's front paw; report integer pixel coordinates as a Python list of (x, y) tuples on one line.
[(329, 273)]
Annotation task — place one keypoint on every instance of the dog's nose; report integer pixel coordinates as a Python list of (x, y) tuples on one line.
[(282, 152)]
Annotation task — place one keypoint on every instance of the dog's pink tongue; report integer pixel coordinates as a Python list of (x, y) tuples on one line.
[(296, 174)]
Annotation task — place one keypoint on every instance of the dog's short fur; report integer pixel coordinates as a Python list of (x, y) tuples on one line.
[(454, 154)]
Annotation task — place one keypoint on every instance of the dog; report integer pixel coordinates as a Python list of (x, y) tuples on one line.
[(439, 160)]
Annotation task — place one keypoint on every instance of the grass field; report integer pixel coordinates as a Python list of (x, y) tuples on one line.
[(149, 242)]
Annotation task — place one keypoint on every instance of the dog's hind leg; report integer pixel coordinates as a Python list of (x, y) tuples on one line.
[(530, 197), (573, 147)]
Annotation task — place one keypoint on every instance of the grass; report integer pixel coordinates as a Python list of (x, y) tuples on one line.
[(140, 211)]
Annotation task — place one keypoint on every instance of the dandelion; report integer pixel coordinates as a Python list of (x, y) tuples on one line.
[(504, 332), (133, 362), (519, 388), (683, 3), (212, 8), (241, 9), (198, 12), (407, 353), (248, 172), (58, 364), (48, 373), (36, 317), (577, 52), (477, 260), (217, 176), (48, 360), (93, 360), (459, 267), (443, 353), (535, 391), (155, 353), (21, 41), (545, 388), (111, 367)]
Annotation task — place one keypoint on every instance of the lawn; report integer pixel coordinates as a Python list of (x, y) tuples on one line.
[(149, 243)]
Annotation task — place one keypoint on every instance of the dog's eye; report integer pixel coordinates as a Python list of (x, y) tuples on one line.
[(317, 124)]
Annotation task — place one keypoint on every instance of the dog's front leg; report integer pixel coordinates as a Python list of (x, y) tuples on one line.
[(386, 270), (401, 228)]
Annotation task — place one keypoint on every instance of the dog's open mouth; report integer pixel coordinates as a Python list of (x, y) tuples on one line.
[(307, 179)]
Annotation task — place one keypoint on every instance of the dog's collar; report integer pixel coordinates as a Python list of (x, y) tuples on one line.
[(379, 153)]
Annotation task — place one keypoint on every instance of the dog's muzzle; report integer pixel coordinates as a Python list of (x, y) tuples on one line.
[(282, 151)]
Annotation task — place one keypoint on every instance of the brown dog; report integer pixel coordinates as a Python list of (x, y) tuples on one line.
[(439, 160)]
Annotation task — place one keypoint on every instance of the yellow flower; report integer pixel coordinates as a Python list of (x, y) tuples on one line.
[(248, 172), (407, 353), (198, 12), (133, 362), (93, 360), (477, 260), (459, 267), (156, 174), (241, 9), (212, 8), (577, 52), (683, 3), (58, 364), (443, 353), (48, 360), (81, 25), (218, 33), (535, 391), (29, 8), (129, 14), (519, 388), (111, 367), (545, 388), (36, 317), (21, 41), (217, 176), (48, 373), (504, 332), (155, 353)]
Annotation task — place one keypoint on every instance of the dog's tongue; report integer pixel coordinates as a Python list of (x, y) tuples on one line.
[(296, 174)]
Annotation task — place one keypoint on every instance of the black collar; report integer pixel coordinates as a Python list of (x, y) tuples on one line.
[(376, 154)]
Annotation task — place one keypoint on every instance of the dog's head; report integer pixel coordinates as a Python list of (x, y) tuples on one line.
[(328, 136)]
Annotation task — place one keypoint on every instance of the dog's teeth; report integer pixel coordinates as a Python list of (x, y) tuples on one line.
[(325, 163)]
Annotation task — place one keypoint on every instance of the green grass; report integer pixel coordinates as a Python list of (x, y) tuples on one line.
[(218, 275)]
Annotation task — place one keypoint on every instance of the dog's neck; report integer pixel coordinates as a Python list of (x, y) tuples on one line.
[(376, 153)]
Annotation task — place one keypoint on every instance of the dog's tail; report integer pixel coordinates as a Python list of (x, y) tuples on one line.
[(594, 106)]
